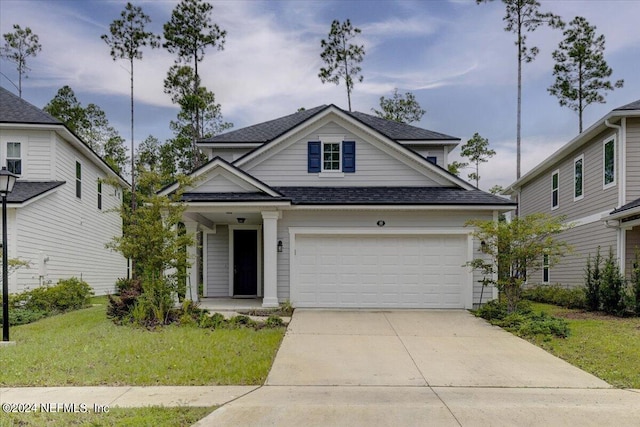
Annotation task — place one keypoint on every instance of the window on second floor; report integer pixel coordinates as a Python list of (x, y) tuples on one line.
[(555, 189), (330, 156), (78, 180), (578, 180), (609, 165), (100, 195), (14, 158)]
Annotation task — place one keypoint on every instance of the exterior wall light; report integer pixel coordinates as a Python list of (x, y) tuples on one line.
[(279, 245), (381, 223)]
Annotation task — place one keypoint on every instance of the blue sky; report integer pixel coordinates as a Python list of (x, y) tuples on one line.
[(453, 55)]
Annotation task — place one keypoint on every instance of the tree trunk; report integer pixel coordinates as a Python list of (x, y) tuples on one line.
[(194, 148), (518, 124)]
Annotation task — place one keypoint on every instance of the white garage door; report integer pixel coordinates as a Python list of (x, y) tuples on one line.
[(380, 271)]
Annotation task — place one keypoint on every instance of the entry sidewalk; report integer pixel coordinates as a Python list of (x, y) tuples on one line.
[(125, 397)]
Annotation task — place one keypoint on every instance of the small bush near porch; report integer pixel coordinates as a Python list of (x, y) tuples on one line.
[(84, 348)]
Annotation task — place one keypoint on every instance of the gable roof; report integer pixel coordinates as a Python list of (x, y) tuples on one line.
[(629, 110), (15, 110), (219, 162), (272, 129)]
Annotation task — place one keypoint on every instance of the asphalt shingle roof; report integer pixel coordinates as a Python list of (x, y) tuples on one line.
[(13, 109), (630, 205), (635, 105), (360, 196), (26, 190), (270, 130)]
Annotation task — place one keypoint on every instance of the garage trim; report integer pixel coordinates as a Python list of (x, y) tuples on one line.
[(386, 231)]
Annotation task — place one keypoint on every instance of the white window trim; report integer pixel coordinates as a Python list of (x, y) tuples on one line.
[(23, 151), (546, 266), (556, 172), (611, 139), (330, 139), (75, 179), (331, 171), (575, 161)]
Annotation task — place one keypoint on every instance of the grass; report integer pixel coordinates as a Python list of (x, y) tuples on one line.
[(148, 416), (606, 346), (84, 348)]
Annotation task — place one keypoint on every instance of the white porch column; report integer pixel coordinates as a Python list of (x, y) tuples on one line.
[(191, 227), (270, 254)]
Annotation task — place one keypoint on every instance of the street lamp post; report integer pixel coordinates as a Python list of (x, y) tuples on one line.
[(7, 180)]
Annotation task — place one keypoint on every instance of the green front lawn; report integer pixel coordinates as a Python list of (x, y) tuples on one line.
[(84, 348), (606, 346), (149, 416)]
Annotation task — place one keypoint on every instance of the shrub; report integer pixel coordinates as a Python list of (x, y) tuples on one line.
[(557, 295), (274, 321), (592, 282), (523, 321), (612, 287), (124, 285), (121, 306), (242, 320), (68, 294)]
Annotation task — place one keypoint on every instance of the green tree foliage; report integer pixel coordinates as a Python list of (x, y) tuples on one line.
[(152, 236), (635, 282), (515, 247), (18, 46), (199, 117), (477, 151), (341, 57), (126, 39), (496, 189), (593, 281), (612, 287), (91, 124), (189, 32), (401, 108), (521, 17), (581, 71), (455, 166)]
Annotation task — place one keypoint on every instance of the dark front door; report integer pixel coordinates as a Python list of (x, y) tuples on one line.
[(245, 262)]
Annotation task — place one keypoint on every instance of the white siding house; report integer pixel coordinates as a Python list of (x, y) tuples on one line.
[(329, 208), (61, 213)]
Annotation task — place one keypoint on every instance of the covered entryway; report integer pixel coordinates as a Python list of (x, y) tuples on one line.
[(382, 271)]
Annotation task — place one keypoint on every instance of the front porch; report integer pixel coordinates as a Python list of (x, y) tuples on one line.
[(230, 304)]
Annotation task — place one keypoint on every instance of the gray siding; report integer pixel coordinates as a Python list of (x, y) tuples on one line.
[(536, 195), (430, 151), (287, 165), (220, 184), (217, 268), (584, 241), (351, 220), (633, 159), (228, 154), (632, 247)]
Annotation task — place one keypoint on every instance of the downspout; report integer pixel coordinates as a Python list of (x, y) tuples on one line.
[(621, 130)]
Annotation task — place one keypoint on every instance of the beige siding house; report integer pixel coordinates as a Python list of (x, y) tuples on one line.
[(330, 208), (60, 213), (593, 181)]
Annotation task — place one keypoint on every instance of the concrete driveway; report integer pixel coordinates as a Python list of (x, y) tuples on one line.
[(442, 367)]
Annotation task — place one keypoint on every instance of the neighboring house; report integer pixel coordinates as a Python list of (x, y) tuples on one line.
[(594, 180), (328, 208), (60, 213)]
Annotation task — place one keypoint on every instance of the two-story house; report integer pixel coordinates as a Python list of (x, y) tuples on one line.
[(331, 208), (594, 181), (61, 212)]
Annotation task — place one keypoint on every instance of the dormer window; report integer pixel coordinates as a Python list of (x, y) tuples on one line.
[(331, 156)]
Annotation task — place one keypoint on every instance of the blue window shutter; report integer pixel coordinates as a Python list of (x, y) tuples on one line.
[(314, 156), (432, 159), (348, 156)]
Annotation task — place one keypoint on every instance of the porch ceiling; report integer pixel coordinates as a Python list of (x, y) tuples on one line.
[(227, 217)]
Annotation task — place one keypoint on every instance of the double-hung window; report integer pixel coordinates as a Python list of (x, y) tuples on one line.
[(555, 189), (331, 156), (609, 166), (578, 178), (14, 158)]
